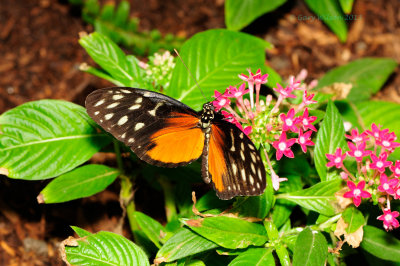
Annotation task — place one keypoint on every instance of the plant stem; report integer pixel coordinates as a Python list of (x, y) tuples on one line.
[(126, 193), (170, 208)]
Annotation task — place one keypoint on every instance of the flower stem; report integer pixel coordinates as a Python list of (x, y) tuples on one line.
[(169, 198)]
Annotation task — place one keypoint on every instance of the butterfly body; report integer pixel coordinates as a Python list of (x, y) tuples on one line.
[(165, 132)]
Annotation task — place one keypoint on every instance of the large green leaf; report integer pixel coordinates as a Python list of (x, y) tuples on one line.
[(46, 138), (182, 244), (123, 70), (330, 137), (79, 183), (311, 249), (330, 13), (152, 228), (105, 248), (229, 232), (254, 256), (239, 14), (381, 244), (215, 57), (317, 198), (367, 76)]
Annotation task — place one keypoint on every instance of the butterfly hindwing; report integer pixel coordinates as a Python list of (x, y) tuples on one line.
[(159, 129), (234, 164)]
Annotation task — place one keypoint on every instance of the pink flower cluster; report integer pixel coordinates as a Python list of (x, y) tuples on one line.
[(371, 150), (270, 126)]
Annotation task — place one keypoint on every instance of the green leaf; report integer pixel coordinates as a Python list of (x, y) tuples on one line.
[(105, 248), (215, 57), (367, 76), (283, 255), (254, 256), (330, 13), (229, 232), (354, 218), (81, 182), (254, 206), (311, 249), (112, 59), (330, 137), (183, 244), (80, 232), (381, 244), (317, 198), (239, 14), (46, 138), (346, 5), (211, 201), (152, 228), (381, 113)]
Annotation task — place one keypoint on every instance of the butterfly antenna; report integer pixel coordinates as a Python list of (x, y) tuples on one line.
[(190, 73)]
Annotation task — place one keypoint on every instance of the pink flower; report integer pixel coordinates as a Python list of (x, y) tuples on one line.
[(220, 100), (308, 99), (336, 159), (260, 79), (289, 122), (284, 92), (356, 137), (233, 92), (387, 141), (356, 192), (293, 84), (386, 185), (282, 146), (250, 79), (276, 180), (389, 219), (304, 140), (376, 132), (396, 168), (379, 163), (397, 193), (358, 151), (306, 121)]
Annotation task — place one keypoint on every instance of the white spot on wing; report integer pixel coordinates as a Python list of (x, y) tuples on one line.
[(243, 172), (259, 174), (134, 107), (123, 136), (139, 100), (146, 94), (139, 126), (125, 91), (108, 116), (131, 140), (251, 180), (99, 102), (234, 168), (242, 146), (153, 112), (97, 112), (242, 155), (253, 169), (112, 105), (253, 157), (241, 135), (122, 120), (118, 96)]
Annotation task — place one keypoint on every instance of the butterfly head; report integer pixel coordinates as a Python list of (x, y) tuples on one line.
[(207, 115)]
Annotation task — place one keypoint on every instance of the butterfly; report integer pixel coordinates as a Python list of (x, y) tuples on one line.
[(165, 132)]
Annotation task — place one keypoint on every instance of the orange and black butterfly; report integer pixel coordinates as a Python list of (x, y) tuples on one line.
[(165, 132)]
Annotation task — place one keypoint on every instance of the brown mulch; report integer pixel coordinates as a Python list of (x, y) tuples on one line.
[(39, 58)]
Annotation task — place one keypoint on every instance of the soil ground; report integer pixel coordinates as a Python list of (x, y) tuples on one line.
[(39, 58)]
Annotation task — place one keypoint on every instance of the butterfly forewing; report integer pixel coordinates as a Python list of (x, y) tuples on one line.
[(234, 164), (159, 129)]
